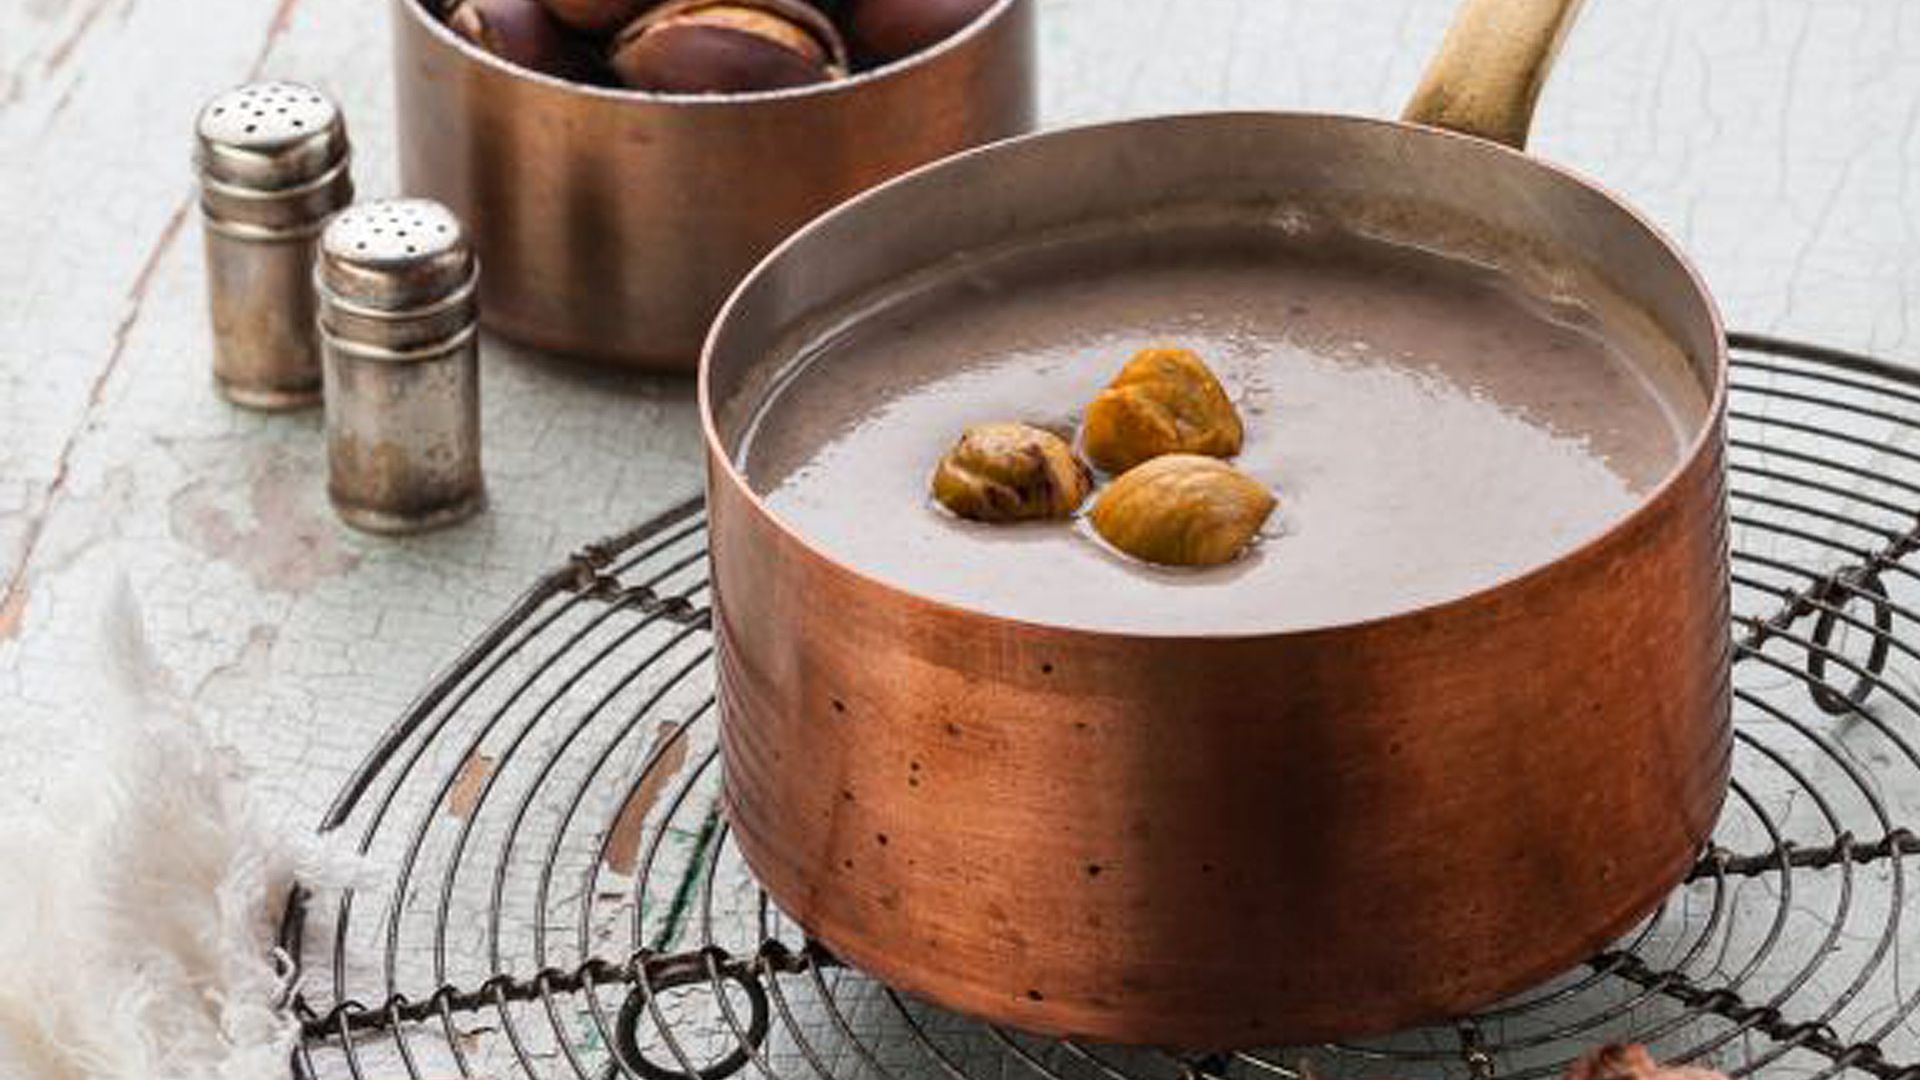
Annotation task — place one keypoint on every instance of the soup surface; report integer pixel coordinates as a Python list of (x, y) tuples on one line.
[(1429, 426)]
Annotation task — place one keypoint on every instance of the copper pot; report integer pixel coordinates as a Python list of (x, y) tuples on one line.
[(1312, 834), (612, 223)]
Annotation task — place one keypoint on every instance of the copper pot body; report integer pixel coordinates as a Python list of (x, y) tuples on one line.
[(612, 224), (1217, 842)]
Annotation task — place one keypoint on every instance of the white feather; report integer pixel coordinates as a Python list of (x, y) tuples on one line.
[(138, 899)]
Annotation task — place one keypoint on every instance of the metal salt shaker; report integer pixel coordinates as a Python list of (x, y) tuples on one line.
[(396, 282), (273, 164)]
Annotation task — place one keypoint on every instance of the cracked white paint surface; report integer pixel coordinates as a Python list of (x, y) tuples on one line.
[(1774, 138)]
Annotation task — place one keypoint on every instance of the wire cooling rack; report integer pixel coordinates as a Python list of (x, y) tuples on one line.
[(560, 897)]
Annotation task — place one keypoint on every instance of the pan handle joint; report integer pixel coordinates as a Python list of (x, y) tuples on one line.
[(1490, 68)]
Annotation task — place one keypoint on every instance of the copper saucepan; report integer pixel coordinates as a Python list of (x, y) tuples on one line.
[(1325, 832), (613, 223)]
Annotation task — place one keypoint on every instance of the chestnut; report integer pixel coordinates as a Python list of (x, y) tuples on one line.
[(1011, 472), (1183, 510), (728, 47), (600, 17), (1165, 401), (883, 31), (525, 33)]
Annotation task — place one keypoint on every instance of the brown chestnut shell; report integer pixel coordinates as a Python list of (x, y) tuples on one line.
[(883, 31), (525, 33), (599, 17), (728, 46)]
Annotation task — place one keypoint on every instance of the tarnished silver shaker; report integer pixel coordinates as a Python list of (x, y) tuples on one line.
[(397, 286), (273, 161)]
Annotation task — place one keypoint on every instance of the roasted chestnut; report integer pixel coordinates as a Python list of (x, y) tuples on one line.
[(1183, 510), (728, 47), (1164, 401), (1011, 472), (525, 33), (597, 16), (886, 30)]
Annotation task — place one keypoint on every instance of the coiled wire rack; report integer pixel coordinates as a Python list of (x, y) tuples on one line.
[(560, 897)]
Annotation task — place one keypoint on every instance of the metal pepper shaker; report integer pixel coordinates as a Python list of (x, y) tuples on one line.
[(273, 164), (397, 282)]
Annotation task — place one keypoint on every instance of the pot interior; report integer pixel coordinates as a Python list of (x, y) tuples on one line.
[(1454, 364)]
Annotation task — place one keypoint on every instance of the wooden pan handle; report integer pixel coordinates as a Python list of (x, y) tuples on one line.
[(1490, 68)]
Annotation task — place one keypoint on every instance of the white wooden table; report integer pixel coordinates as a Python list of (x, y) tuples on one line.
[(1775, 138)]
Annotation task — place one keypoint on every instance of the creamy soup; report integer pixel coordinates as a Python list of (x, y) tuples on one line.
[(1429, 427)]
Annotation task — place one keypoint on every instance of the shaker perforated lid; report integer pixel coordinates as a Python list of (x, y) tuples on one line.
[(268, 136), (396, 255)]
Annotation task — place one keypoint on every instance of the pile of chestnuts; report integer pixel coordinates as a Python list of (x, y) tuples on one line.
[(1161, 429), (707, 46)]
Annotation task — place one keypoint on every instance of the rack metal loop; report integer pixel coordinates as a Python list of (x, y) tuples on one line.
[(1833, 597), (707, 967)]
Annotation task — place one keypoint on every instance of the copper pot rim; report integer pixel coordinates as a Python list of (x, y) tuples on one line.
[(982, 24), (1707, 434)]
